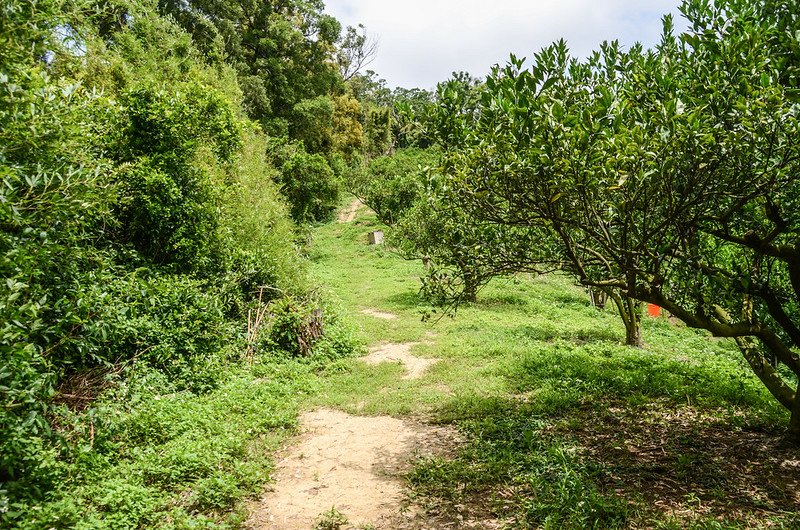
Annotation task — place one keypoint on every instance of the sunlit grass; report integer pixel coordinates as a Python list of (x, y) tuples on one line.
[(520, 373)]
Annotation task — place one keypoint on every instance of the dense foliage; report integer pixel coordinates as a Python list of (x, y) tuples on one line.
[(141, 214), (667, 175)]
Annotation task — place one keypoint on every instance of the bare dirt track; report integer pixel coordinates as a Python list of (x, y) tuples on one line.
[(415, 366), (383, 315), (348, 215), (352, 464)]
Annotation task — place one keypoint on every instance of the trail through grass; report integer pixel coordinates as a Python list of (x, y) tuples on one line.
[(565, 427)]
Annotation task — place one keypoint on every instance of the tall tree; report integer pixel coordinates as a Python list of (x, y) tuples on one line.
[(356, 50), (283, 50)]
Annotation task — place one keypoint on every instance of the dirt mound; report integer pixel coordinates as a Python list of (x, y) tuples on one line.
[(352, 464), (415, 366)]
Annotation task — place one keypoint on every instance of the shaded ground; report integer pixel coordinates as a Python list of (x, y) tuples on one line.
[(684, 462)]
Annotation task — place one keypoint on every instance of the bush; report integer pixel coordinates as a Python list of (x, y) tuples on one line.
[(390, 185), (169, 211), (304, 327), (308, 182)]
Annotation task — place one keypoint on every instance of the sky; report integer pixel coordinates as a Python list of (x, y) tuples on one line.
[(421, 42)]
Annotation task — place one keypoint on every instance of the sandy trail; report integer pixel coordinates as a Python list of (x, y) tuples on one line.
[(348, 215), (351, 463), (392, 353), (383, 315), (355, 464)]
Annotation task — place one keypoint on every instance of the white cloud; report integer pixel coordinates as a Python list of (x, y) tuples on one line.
[(423, 41)]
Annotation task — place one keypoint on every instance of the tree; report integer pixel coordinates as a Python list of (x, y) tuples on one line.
[(667, 176), (356, 51), (463, 254), (284, 51), (412, 108), (307, 181)]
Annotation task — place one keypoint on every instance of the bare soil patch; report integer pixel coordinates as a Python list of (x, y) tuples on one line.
[(383, 315), (348, 215), (353, 464), (393, 353)]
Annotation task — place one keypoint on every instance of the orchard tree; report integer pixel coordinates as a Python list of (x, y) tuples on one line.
[(667, 176), (462, 254)]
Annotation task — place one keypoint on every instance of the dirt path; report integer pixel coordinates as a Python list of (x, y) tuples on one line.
[(352, 464), (383, 315), (355, 465), (392, 353), (348, 215)]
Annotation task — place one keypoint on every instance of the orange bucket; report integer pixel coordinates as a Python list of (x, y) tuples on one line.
[(653, 310)]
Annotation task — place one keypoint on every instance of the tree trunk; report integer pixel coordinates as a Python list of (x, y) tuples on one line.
[(630, 311), (633, 330), (598, 297), (793, 434), (470, 288)]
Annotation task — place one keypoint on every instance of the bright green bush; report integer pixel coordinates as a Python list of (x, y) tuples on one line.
[(391, 184), (255, 223), (137, 218)]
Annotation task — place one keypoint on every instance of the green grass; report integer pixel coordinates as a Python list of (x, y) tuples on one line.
[(548, 398), (154, 459)]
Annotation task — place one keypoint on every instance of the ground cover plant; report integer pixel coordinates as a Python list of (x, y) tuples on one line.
[(564, 425)]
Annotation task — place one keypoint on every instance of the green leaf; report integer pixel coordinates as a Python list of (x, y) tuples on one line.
[(548, 83)]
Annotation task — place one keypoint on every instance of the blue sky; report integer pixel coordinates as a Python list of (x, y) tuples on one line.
[(422, 41)]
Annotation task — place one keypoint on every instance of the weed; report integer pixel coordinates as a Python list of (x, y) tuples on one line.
[(333, 519)]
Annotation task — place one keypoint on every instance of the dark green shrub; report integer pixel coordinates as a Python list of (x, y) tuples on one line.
[(169, 211), (308, 182), (173, 323), (313, 124)]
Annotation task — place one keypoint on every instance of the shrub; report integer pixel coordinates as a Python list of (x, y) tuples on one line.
[(304, 327), (169, 211), (390, 185), (308, 182)]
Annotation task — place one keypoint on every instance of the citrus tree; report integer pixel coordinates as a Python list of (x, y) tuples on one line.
[(667, 176)]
